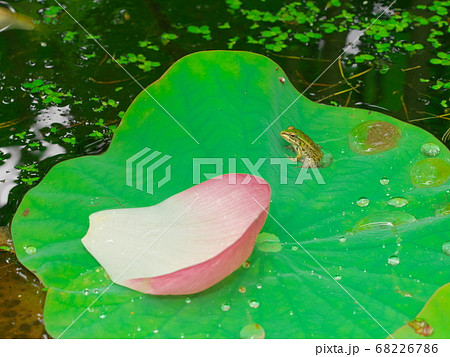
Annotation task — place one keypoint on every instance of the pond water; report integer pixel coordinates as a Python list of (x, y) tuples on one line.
[(61, 95)]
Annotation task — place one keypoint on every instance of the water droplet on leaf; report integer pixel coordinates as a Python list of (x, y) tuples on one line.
[(430, 149), (384, 220), (253, 304), (7, 100), (246, 265), (398, 202), (443, 210), (225, 307), (430, 173), (446, 248), (30, 250), (373, 137), (269, 243), (252, 331), (363, 202), (384, 181), (393, 260)]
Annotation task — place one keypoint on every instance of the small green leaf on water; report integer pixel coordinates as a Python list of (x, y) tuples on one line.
[(35, 83), (382, 47), (96, 134), (301, 37), (21, 135), (69, 36), (28, 168), (413, 47), (71, 140), (234, 4), (167, 37), (335, 3), (29, 180), (204, 30), (439, 84), (232, 41), (112, 103), (226, 25)]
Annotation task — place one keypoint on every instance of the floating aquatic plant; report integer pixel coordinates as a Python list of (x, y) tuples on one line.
[(316, 240)]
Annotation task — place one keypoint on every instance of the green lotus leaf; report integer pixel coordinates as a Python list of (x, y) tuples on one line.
[(432, 320), (336, 259)]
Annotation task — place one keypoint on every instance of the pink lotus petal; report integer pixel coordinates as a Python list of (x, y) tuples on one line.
[(186, 243)]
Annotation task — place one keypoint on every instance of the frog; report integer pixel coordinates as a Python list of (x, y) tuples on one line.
[(303, 146)]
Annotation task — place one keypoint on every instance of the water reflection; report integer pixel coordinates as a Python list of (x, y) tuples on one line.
[(8, 173)]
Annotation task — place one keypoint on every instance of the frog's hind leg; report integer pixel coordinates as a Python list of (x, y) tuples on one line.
[(308, 163), (299, 155)]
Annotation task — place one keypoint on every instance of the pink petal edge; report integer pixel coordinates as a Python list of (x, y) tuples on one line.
[(201, 276)]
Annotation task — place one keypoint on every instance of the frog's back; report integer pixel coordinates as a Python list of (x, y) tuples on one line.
[(311, 149)]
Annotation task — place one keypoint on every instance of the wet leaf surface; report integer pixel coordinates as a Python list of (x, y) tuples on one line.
[(226, 100)]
